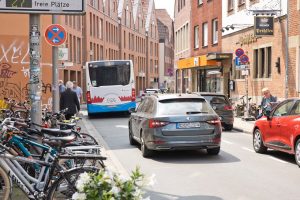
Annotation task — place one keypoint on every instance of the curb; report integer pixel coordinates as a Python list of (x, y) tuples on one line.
[(112, 163), (241, 130)]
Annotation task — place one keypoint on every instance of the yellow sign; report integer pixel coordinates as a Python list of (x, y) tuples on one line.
[(188, 63), (200, 61)]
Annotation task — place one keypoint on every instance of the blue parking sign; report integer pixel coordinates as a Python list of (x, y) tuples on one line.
[(237, 63)]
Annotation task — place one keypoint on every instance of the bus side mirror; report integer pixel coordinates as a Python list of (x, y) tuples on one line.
[(132, 110)]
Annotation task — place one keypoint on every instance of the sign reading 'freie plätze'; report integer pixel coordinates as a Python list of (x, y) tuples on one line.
[(43, 6), (264, 25)]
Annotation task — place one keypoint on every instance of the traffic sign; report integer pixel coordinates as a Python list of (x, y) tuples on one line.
[(55, 35), (43, 7), (244, 59), (239, 52)]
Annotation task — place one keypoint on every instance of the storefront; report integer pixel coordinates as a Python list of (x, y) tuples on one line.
[(208, 73)]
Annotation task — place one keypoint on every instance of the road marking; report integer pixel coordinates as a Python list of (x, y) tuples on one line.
[(276, 159), (122, 126), (247, 149), (227, 142)]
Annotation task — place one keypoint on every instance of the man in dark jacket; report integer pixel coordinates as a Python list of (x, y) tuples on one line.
[(69, 99)]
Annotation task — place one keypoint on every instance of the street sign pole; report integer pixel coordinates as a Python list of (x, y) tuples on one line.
[(55, 87), (35, 91)]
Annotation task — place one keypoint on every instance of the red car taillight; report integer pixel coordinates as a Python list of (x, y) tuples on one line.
[(156, 123), (228, 108), (133, 95), (88, 97), (214, 122)]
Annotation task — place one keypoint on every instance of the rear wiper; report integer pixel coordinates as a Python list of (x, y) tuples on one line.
[(194, 112)]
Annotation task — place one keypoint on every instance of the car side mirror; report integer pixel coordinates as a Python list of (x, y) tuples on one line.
[(132, 110)]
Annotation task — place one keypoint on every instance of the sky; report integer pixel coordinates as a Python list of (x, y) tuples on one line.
[(167, 4)]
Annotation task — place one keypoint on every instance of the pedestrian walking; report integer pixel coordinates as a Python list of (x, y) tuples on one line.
[(61, 86), (69, 100), (78, 91), (266, 102)]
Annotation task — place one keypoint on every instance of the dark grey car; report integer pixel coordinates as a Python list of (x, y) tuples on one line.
[(175, 122), (221, 104)]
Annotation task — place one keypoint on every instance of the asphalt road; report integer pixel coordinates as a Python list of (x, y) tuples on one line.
[(237, 173)]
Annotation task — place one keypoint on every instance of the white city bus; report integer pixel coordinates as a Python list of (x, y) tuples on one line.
[(110, 86)]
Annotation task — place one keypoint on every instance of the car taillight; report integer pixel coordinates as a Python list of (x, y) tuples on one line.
[(156, 123), (88, 97), (214, 122), (133, 95), (228, 108)]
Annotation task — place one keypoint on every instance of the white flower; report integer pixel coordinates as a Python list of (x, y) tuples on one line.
[(108, 174), (79, 196), (84, 178), (115, 190), (137, 193), (80, 185), (123, 178)]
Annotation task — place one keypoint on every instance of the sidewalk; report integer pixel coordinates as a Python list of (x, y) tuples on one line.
[(242, 125)]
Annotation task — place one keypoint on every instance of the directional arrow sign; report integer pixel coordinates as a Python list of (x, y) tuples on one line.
[(55, 35)]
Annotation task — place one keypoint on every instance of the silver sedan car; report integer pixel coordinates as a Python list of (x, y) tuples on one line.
[(175, 122)]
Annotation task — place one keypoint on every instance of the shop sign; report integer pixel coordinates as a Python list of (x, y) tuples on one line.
[(247, 39), (264, 25)]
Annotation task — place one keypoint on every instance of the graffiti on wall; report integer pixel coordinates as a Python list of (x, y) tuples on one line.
[(15, 71)]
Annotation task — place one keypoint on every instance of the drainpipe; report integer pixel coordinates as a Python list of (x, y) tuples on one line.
[(287, 54)]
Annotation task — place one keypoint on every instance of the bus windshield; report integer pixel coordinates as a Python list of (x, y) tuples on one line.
[(109, 75)]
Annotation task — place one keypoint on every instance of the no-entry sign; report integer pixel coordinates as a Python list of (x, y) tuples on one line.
[(55, 35)]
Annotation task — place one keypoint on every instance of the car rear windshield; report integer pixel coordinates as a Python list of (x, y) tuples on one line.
[(216, 100), (183, 106)]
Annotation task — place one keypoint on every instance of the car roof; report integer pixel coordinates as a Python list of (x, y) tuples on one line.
[(209, 94), (177, 96)]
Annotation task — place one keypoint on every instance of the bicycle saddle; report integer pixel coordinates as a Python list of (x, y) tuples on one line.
[(59, 142), (56, 132)]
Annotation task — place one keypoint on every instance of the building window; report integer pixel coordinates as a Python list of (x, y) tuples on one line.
[(215, 31), (230, 5), (262, 63), (200, 2), (196, 37), (205, 34), (241, 2)]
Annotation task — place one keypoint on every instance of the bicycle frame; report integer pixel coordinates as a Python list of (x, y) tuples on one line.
[(28, 184)]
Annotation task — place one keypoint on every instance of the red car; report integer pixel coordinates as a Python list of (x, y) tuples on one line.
[(279, 129)]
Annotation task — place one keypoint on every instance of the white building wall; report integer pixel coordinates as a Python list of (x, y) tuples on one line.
[(245, 18)]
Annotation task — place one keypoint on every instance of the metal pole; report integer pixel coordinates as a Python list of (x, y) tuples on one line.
[(35, 69), (287, 53), (55, 87)]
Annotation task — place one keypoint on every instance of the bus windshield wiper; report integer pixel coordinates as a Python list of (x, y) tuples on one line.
[(194, 112)]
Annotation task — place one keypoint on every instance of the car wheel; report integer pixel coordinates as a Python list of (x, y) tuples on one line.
[(145, 151), (228, 127), (258, 144), (213, 151), (131, 139), (297, 152)]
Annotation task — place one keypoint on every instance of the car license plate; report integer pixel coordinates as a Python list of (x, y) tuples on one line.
[(188, 125)]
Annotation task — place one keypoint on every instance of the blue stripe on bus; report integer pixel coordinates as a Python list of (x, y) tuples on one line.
[(94, 108)]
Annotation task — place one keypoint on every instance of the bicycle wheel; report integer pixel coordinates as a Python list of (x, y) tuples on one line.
[(87, 139), (5, 185), (65, 186)]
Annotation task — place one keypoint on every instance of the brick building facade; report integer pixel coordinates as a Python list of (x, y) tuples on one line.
[(207, 68), (109, 30), (267, 54), (182, 30)]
